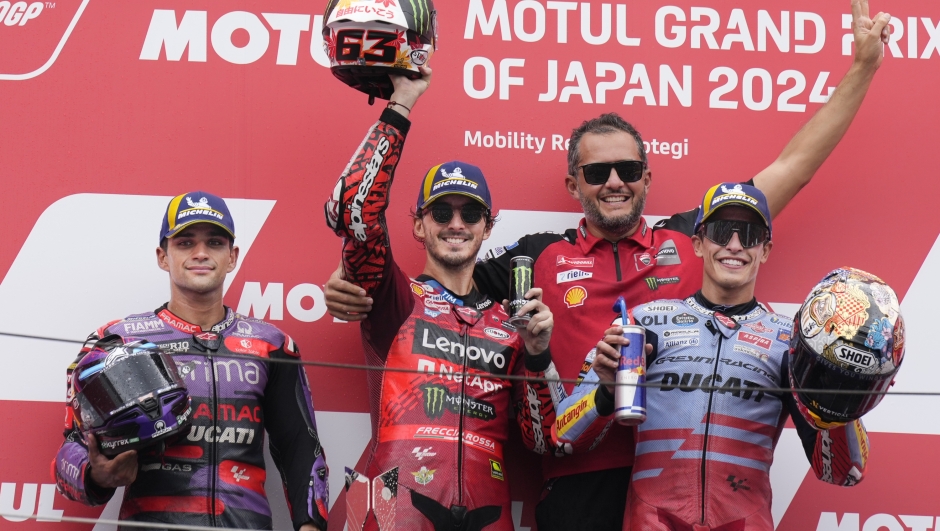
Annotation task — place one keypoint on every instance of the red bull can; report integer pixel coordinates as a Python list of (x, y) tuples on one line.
[(629, 397)]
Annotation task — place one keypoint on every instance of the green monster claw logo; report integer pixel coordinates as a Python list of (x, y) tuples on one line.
[(654, 283), (434, 398), (420, 10), (523, 279)]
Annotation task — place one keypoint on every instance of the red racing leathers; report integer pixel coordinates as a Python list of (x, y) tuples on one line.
[(447, 355), (214, 474)]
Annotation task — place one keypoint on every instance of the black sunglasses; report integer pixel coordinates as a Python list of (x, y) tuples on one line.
[(629, 171), (750, 234), (470, 213)]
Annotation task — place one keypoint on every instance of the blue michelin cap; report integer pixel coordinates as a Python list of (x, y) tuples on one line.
[(733, 194), (454, 177), (196, 207)]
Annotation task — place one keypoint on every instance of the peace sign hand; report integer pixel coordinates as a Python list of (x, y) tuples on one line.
[(871, 34)]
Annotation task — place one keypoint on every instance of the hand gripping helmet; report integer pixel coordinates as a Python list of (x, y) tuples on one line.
[(128, 393), (849, 335), (366, 40)]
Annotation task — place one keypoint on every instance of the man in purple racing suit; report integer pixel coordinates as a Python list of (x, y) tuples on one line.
[(703, 455), (214, 474)]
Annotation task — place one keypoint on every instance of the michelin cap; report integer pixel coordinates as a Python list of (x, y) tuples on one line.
[(733, 194), (196, 207), (454, 177)]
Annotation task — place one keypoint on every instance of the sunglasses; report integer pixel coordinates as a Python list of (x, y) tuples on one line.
[(470, 214), (750, 234), (629, 171)]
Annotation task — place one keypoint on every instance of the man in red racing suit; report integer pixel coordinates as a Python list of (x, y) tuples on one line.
[(440, 409), (214, 474)]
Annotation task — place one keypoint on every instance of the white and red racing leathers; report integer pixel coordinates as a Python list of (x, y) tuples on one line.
[(703, 456)]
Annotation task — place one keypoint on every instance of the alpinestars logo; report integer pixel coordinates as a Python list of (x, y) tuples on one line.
[(438, 399), (357, 224)]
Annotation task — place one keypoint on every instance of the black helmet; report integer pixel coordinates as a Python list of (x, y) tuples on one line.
[(128, 393), (366, 40), (849, 336)]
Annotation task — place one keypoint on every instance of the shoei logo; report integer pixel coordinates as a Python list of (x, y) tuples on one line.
[(38, 45)]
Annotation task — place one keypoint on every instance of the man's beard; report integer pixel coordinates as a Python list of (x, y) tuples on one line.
[(619, 225), (451, 261)]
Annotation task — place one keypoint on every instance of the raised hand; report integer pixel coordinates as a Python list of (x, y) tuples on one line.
[(871, 34)]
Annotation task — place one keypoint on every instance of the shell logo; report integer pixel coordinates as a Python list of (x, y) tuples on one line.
[(575, 296), (419, 291)]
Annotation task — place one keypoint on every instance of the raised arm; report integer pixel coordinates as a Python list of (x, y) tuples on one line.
[(806, 152), (356, 210)]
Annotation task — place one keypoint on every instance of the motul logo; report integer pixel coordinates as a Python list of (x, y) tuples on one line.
[(170, 36)]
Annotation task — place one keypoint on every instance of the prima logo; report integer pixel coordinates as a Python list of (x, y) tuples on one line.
[(243, 328)]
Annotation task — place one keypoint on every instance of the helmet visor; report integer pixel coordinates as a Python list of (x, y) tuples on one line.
[(126, 381), (857, 393)]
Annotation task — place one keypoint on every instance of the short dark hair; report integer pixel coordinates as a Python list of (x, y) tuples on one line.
[(604, 124), (165, 242)]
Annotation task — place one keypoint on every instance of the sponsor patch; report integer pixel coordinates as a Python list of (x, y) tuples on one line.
[(681, 333), (431, 313), (754, 339), (684, 319), (643, 260), (424, 476), (421, 453), (418, 290), (563, 261), (681, 342), (572, 275), (496, 333), (654, 283), (496, 470), (482, 354), (668, 254), (751, 352), (851, 356), (660, 308), (759, 328), (784, 335), (575, 296)]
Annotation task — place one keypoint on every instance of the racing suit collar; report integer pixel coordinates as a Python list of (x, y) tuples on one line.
[(731, 311), (642, 237), (180, 324), (474, 299)]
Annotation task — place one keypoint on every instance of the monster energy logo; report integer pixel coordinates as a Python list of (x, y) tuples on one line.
[(438, 399), (522, 283), (653, 283), (420, 10)]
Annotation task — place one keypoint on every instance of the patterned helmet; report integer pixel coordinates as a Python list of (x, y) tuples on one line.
[(849, 336), (366, 40), (128, 393)]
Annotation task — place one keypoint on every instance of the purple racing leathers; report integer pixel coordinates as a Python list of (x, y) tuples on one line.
[(214, 474)]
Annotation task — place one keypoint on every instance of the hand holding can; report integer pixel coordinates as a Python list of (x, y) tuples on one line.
[(629, 395), (521, 272)]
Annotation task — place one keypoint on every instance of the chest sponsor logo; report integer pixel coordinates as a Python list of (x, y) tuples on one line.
[(563, 261), (689, 382), (681, 342), (496, 470), (686, 332), (759, 328), (452, 434), (481, 354), (218, 434), (496, 333), (431, 313), (754, 339), (857, 358), (784, 335), (654, 320), (222, 370), (417, 290), (421, 453), (575, 296), (668, 254), (660, 308), (572, 275), (166, 467), (685, 319), (654, 283), (751, 352), (438, 399), (143, 327), (441, 307), (423, 476), (643, 260)]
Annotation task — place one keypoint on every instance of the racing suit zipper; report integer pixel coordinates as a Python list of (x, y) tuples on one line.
[(616, 260), (465, 334), (708, 422), (213, 448)]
